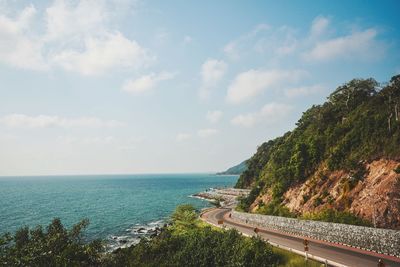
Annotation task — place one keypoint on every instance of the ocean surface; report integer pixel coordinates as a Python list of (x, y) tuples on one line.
[(121, 208)]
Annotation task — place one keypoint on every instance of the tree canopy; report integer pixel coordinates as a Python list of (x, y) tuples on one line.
[(55, 246), (359, 122), (187, 241)]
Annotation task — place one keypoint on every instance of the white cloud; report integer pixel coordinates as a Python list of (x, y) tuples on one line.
[(358, 45), (161, 36), (146, 82), (187, 40), (102, 54), (304, 90), (236, 48), (275, 42), (204, 133), (18, 46), (270, 113), (77, 36), (271, 42), (231, 50), (245, 120), (88, 46), (259, 28), (69, 21), (94, 140), (273, 110), (45, 121), (214, 116), (99, 140), (132, 143), (183, 136), (251, 83), (319, 26), (66, 20), (212, 71), (278, 42)]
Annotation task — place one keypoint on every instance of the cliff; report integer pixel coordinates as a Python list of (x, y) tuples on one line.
[(344, 155)]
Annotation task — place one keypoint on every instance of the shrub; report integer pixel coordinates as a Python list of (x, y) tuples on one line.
[(200, 246), (57, 246), (276, 208), (305, 198), (397, 169), (332, 215), (317, 201)]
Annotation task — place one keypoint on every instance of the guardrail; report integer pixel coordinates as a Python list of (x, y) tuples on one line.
[(301, 253), (383, 241)]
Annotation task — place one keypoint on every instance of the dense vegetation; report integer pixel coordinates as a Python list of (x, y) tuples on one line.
[(187, 241), (359, 122), (235, 170), (55, 246), (331, 215)]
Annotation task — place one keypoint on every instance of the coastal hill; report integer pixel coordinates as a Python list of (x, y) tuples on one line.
[(341, 162), (235, 170)]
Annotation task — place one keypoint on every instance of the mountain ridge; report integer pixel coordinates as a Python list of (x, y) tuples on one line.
[(235, 170)]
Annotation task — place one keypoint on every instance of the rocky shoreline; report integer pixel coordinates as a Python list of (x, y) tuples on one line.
[(134, 234), (225, 197)]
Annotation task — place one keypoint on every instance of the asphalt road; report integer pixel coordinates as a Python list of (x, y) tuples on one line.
[(342, 255)]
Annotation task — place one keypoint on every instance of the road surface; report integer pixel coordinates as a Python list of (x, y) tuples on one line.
[(336, 253)]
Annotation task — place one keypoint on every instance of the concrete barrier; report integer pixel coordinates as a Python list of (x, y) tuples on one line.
[(374, 239)]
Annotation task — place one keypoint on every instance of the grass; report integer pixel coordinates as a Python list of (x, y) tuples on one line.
[(290, 259)]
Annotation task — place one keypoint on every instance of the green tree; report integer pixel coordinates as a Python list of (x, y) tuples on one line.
[(55, 247), (359, 122)]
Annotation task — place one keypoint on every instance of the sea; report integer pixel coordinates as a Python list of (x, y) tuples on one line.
[(121, 208)]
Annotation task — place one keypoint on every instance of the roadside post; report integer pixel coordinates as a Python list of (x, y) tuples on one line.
[(305, 243), (256, 230), (221, 222)]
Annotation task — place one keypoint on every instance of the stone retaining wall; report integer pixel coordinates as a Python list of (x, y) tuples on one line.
[(374, 239)]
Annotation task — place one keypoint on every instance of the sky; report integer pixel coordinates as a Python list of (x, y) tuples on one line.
[(119, 86)]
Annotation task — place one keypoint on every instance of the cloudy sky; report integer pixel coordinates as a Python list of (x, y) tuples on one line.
[(121, 86)]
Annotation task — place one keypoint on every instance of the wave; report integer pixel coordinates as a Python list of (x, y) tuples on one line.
[(134, 234)]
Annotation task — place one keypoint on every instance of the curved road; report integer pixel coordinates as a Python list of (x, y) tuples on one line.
[(343, 255)]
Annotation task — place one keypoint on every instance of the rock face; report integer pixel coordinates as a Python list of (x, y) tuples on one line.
[(375, 197), (379, 195), (225, 196)]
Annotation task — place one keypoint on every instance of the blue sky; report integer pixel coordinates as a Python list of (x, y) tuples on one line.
[(122, 86)]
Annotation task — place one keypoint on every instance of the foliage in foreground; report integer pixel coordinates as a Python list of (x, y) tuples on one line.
[(186, 242), (55, 246)]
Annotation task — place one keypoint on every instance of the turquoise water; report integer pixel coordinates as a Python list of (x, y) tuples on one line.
[(114, 204)]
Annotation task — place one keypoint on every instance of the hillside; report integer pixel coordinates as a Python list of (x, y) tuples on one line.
[(341, 162), (235, 170)]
